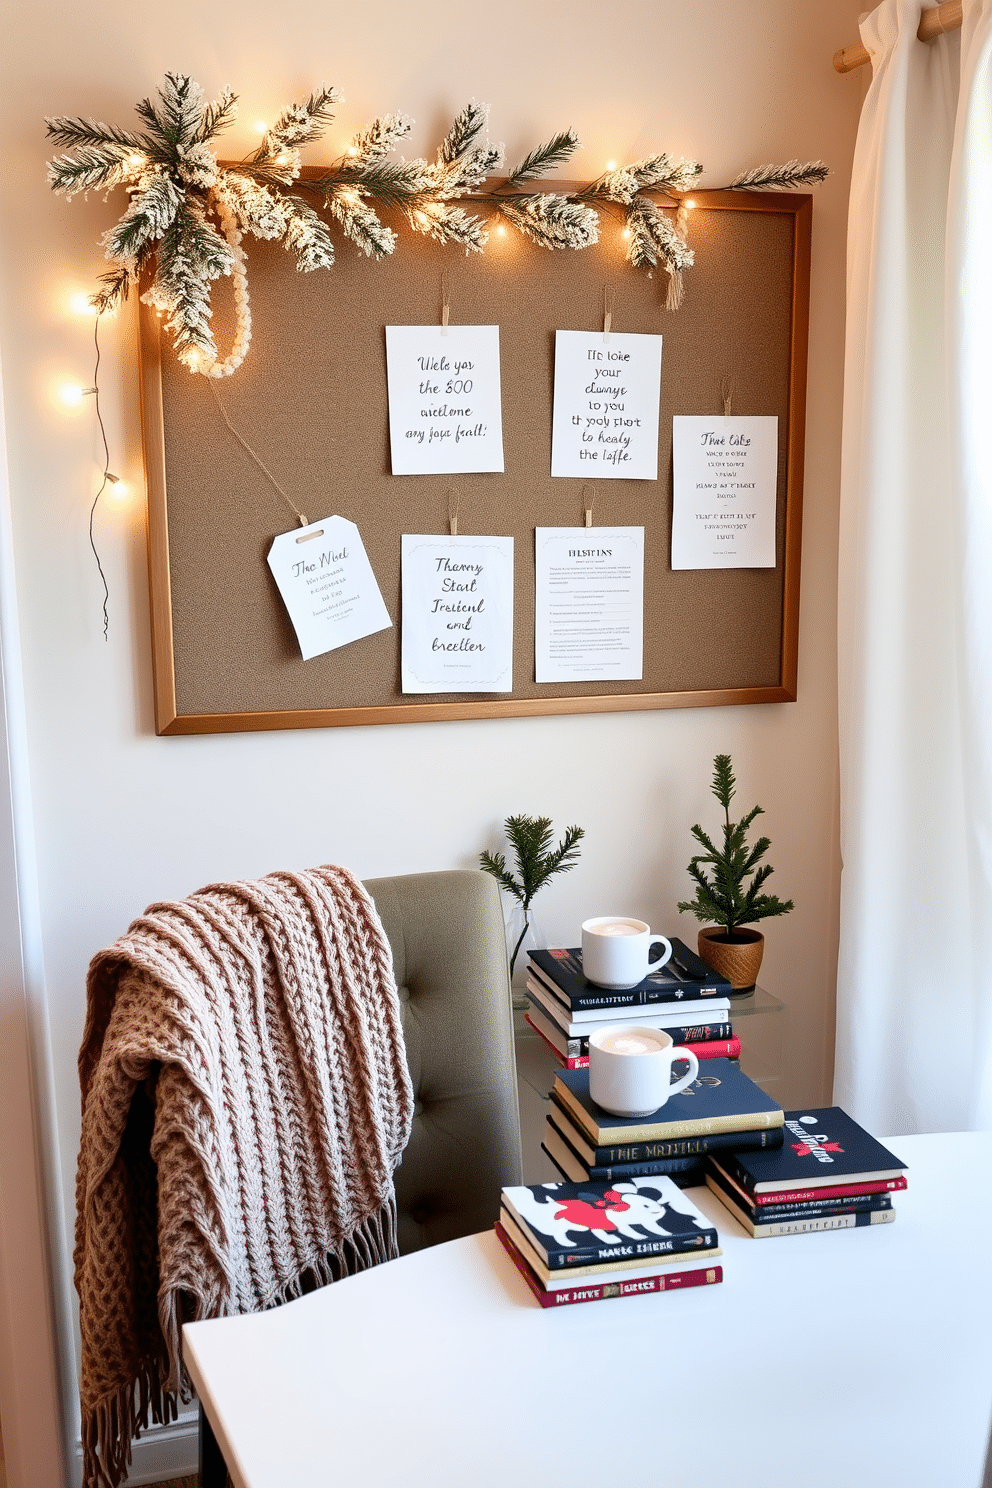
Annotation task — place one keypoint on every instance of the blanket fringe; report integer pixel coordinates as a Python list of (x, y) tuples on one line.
[(110, 1426)]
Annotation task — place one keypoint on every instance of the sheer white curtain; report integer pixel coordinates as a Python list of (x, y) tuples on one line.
[(914, 999)]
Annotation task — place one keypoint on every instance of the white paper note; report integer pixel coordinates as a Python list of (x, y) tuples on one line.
[(445, 413), (607, 397), (589, 620), (327, 585), (725, 480), (457, 614)]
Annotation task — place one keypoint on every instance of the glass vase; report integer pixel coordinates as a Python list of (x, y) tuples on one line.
[(522, 937)]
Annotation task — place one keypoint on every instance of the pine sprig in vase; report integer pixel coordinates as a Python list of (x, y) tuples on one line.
[(536, 860)]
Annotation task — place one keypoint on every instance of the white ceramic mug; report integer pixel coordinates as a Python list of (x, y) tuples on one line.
[(616, 951), (630, 1069)]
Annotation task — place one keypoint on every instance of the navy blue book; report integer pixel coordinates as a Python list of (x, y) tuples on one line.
[(683, 978), (823, 1147), (720, 1099), (605, 1162), (582, 1224), (687, 1171)]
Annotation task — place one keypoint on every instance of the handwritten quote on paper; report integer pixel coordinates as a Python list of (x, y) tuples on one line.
[(444, 399), (607, 397), (457, 614), (327, 585), (725, 483)]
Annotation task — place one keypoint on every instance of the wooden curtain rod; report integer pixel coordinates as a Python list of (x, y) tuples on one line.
[(933, 23)]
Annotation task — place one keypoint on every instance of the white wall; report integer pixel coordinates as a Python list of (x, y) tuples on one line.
[(123, 817)]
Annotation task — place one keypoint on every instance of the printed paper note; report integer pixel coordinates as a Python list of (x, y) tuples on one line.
[(589, 619), (725, 480), (607, 397), (327, 585), (457, 614), (445, 413)]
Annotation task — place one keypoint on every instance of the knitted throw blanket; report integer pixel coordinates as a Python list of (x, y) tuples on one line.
[(245, 1103)]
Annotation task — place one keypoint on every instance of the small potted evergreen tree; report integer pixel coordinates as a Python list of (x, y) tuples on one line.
[(729, 893)]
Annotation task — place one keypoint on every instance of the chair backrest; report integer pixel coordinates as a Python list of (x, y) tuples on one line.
[(449, 953)]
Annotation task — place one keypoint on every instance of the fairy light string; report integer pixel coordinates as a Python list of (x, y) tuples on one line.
[(108, 477)]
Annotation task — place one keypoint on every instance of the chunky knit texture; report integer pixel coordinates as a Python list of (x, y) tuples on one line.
[(245, 1102)]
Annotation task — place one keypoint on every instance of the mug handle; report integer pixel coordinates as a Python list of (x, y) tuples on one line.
[(679, 1052), (666, 953)]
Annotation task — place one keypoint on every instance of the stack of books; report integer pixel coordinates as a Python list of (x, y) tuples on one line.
[(685, 997), (587, 1242), (722, 1111), (829, 1174)]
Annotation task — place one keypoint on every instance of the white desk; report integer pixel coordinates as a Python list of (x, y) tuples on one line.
[(858, 1356)]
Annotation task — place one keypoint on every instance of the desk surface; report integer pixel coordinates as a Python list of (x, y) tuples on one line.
[(858, 1356)]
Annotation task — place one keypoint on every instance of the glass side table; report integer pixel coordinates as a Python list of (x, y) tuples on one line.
[(758, 1020)]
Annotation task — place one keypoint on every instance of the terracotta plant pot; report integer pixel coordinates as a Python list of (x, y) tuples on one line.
[(737, 958)]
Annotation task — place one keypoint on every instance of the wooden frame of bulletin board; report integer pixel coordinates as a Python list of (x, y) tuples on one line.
[(311, 401)]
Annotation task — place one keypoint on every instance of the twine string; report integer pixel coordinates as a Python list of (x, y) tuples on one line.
[(303, 520)]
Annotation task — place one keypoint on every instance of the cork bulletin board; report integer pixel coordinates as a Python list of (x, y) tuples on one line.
[(311, 401)]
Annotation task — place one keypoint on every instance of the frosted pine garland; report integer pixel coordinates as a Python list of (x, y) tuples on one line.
[(189, 212)]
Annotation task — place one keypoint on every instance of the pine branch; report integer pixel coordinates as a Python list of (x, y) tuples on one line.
[(76, 132), (307, 236), (361, 225), (446, 224), (217, 117), (655, 173), (551, 221), (565, 856), (789, 177), (379, 138), (92, 168), (318, 105), (115, 287), (147, 218), (651, 236), (724, 783), (466, 174), (662, 173), (397, 185), (465, 130), (495, 863), (182, 109), (545, 157)]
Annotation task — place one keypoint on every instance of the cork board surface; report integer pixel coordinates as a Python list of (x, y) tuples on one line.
[(311, 401)]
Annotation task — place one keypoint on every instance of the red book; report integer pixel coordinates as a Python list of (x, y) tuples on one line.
[(617, 1284), (829, 1191)]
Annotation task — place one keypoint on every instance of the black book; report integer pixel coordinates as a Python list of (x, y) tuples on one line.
[(823, 1147), (685, 977), (668, 1149)]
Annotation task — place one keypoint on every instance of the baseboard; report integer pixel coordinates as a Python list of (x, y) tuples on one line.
[(161, 1452)]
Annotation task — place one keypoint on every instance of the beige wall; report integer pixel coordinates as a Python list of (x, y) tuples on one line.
[(122, 817)]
